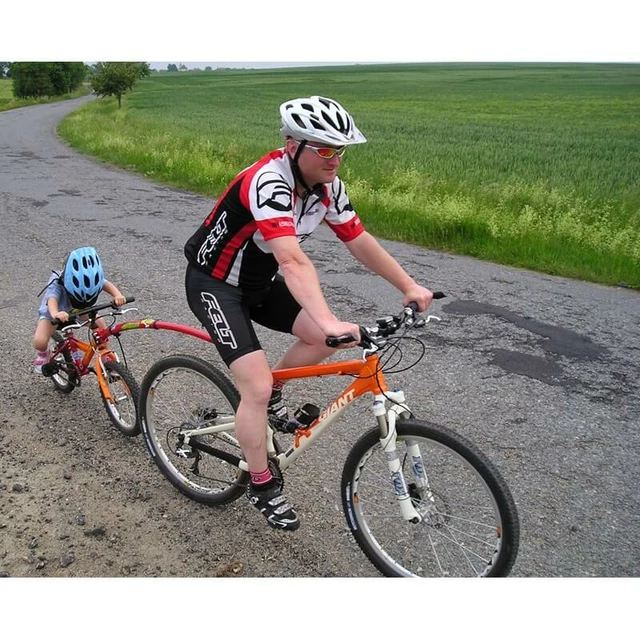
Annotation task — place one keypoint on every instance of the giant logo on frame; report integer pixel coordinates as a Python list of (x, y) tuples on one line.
[(340, 403)]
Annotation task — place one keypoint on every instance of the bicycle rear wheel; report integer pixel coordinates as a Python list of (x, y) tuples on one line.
[(122, 408), (181, 393), (469, 521)]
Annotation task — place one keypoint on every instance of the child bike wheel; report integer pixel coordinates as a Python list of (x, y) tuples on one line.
[(181, 393), (62, 380), (125, 393), (469, 521)]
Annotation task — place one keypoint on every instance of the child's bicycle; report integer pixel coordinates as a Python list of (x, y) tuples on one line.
[(72, 358), (420, 499)]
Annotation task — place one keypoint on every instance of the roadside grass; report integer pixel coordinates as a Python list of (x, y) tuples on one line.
[(531, 165), (7, 101)]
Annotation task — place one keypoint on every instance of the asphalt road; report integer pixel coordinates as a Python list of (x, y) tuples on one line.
[(540, 372)]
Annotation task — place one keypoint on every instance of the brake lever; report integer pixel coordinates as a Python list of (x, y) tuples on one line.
[(121, 312), (414, 319)]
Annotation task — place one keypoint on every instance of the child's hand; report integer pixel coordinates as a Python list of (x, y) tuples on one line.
[(61, 316), (119, 300)]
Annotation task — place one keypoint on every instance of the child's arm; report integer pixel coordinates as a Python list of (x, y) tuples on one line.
[(52, 305), (114, 292)]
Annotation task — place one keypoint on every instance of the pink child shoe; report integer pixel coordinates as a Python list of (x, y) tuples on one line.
[(42, 357)]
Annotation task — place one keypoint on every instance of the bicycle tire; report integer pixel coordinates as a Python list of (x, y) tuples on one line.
[(185, 392), (62, 381), (470, 523), (122, 409)]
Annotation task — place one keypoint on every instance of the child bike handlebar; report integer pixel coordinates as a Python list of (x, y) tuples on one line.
[(73, 322)]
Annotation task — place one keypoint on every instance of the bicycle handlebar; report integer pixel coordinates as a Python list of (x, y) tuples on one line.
[(91, 312), (386, 326)]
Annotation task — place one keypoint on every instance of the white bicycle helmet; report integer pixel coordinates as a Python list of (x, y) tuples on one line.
[(83, 277), (318, 119)]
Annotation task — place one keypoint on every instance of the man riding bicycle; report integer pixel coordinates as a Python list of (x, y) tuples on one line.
[(245, 264)]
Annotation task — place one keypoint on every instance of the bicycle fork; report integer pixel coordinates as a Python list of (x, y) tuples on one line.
[(102, 375), (388, 440)]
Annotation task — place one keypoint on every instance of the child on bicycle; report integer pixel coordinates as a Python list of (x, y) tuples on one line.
[(77, 287)]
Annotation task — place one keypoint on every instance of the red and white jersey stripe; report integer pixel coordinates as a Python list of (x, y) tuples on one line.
[(261, 204)]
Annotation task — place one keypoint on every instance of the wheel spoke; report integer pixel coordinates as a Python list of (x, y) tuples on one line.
[(179, 396), (465, 508), (124, 391)]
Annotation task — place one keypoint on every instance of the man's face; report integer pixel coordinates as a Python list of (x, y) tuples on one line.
[(313, 166)]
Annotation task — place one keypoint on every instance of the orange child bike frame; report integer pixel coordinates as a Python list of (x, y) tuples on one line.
[(90, 349)]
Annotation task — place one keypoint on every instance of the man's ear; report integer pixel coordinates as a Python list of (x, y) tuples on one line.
[(290, 147)]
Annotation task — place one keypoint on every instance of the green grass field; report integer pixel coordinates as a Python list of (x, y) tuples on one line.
[(7, 101), (531, 165)]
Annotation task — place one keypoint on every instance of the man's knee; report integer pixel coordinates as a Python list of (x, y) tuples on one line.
[(253, 378)]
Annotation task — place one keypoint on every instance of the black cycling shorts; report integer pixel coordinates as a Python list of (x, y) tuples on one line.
[(227, 312)]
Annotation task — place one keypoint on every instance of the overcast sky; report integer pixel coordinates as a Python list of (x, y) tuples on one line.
[(257, 32)]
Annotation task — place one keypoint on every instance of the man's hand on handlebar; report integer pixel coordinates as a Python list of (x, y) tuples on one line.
[(344, 330), (421, 296)]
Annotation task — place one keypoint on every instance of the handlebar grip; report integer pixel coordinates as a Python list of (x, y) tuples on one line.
[(129, 299), (437, 295), (334, 341)]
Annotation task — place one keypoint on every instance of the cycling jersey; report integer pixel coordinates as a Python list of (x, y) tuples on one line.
[(261, 204)]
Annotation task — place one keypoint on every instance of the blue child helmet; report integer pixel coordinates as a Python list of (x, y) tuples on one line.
[(83, 277)]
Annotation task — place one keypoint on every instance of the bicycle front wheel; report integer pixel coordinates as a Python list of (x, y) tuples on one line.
[(469, 523), (62, 380), (122, 407), (179, 395)]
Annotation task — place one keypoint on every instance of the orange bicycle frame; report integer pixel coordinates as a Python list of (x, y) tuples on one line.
[(95, 348), (368, 379)]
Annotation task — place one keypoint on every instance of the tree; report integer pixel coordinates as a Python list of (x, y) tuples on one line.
[(172, 67), (4, 70), (31, 79), (116, 78), (36, 79), (67, 76)]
